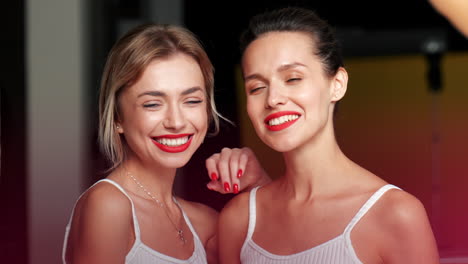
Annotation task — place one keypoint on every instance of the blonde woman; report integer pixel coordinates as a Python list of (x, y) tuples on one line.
[(156, 105)]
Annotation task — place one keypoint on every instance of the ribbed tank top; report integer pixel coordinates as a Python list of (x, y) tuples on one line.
[(141, 253), (338, 250)]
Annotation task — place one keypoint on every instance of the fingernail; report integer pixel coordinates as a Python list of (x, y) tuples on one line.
[(235, 188), (226, 187), (214, 176), (239, 173)]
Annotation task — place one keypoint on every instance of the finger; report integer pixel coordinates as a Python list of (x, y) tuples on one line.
[(243, 159), (215, 186), (223, 169), (244, 181), (234, 169), (212, 168)]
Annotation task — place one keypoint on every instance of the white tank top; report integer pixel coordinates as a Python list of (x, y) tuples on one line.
[(141, 253), (338, 250)]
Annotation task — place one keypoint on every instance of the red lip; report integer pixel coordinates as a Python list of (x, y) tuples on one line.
[(171, 149), (280, 114)]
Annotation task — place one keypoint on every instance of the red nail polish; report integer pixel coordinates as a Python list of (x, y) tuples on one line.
[(214, 176), (227, 188), (235, 188), (239, 173)]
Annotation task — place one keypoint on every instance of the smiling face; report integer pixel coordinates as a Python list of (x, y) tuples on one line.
[(289, 97), (163, 115)]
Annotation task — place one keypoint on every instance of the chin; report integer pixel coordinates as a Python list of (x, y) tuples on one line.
[(284, 146), (175, 164)]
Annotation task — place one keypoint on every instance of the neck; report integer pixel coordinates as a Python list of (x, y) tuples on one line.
[(315, 168), (156, 179)]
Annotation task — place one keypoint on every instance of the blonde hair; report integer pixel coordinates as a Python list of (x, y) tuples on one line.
[(127, 60)]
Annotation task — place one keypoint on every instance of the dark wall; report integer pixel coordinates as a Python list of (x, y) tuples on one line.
[(13, 224)]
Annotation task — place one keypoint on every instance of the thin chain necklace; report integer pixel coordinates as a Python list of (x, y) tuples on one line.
[(180, 232)]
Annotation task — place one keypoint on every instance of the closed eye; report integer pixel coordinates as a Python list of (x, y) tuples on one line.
[(150, 105), (256, 90), (194, 102), (292, 80)]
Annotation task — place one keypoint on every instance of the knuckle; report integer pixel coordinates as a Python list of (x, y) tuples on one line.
[(225, 150)]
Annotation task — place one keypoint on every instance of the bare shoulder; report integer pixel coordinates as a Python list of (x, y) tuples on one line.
[(234, 217), (232, 228), (236, 212), (102, 209), (404, 232), (400, 209), (101, 226), (104, 199)]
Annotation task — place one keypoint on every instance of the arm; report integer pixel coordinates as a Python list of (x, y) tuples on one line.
[(232, 229), (408, 236), (212, 249), (455, 11), (235, 170), (101, 227)]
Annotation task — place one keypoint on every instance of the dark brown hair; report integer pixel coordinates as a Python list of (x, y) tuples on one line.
[(295, 19)]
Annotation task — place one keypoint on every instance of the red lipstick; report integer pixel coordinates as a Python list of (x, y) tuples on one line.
[(173, 149), (283, 125)]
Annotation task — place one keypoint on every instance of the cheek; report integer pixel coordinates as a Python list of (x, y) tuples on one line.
[(311, 97), (250, 109), (139, 122), (144, 119), (254, 110), (199, 118)]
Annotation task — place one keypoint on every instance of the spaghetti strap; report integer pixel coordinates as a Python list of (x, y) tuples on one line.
[(139, 252), (189, 224), (369, 203), (115, 184), (136, 226), (252, 212)]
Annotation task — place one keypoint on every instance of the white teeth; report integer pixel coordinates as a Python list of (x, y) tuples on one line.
[(282, 119), (173, 142)]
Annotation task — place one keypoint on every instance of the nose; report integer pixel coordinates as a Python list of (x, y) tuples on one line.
[(174, 119), (275, 96)]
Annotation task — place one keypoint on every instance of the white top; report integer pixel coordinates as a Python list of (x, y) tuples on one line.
[(338, 250), (141, 253)]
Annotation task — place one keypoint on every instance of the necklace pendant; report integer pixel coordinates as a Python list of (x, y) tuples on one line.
[(180, 233)]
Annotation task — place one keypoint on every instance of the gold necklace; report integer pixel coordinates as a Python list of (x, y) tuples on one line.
[(180, 232)]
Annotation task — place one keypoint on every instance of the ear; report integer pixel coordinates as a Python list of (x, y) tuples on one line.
[(119, 128), (339, 85)]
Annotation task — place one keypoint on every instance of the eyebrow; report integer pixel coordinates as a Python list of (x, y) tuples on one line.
[(289, 66), (192, 90), (282, 68), (253, 77), (163, 94)]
